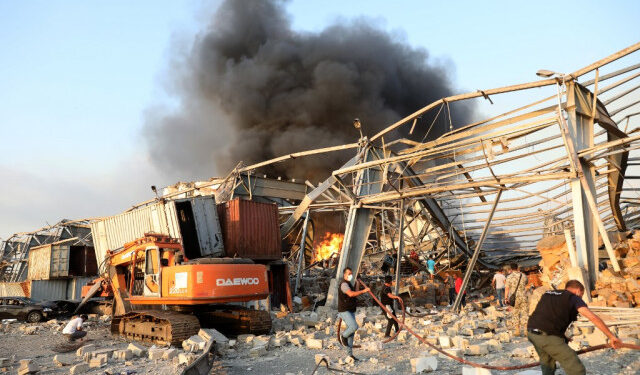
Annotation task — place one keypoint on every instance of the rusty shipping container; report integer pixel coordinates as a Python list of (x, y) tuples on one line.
[(250, 229)]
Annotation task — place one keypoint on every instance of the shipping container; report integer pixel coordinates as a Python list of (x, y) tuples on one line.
[(192, 220), (60, 260), (250, 229)]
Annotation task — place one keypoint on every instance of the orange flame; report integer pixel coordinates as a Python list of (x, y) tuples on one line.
[(331, 244)]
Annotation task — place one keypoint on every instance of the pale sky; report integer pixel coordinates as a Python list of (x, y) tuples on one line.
[(76, 79)]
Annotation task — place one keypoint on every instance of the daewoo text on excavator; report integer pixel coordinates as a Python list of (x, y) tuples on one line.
[(160, 296)]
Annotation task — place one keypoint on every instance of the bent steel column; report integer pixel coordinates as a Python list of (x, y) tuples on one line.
[(472, 262), (368, 181)]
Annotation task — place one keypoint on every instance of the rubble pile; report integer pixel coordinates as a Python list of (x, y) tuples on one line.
[(106, 355), (479, 335), (612, 289)]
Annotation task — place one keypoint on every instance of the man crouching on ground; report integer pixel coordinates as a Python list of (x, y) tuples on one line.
[(347, 309), (73, 329), (553, 314)]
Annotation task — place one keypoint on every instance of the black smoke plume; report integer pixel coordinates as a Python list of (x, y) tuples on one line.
[(251, 88)]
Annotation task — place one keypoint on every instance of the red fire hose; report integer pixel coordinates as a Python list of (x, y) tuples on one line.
[(462, 360)]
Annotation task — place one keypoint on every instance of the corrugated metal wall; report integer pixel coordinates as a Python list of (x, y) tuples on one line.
[(74, 287), (113, 232), (42, 290)]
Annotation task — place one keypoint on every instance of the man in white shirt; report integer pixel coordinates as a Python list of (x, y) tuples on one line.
[(73, 329), (498, 284)]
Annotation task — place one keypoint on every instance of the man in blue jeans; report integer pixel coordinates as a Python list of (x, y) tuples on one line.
[(347, 309), (498, 283)]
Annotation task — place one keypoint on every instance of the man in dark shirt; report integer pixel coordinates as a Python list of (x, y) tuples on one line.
[(385, 298), (549, 321), (347, 309)]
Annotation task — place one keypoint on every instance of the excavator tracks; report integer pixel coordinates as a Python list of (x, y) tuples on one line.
[(156, 326), (237, 321)]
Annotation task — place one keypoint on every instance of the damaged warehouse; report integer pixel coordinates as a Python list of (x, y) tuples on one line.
[(457, 205), (387, 257)]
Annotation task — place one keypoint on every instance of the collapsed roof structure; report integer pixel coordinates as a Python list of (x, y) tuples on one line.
[(493, 188), (14, 251)]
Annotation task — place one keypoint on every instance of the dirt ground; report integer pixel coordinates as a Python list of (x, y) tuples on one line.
[(394, 358)]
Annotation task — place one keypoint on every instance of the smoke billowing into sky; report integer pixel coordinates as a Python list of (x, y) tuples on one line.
[(250, 88)]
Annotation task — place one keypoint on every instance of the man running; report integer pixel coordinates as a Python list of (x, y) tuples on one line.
[(347, 309)]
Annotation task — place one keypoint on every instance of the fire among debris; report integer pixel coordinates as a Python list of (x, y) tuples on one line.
[(331, 244)]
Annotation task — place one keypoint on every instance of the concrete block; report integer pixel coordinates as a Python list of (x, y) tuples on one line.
[(81, 368), (453, 351), (314, 343), (186, 358), (277, 341), (424, 364), (245, 338), (211, 334), (98, 361), (596, 338), (504, 337), (194, 343), (106, 352), (258, 351), (297, 341), (137, 349), (170, 353), (123, 355), (494, 345), (63, 360), (478, 349), (466, 370), (156, 354), (445, 342), (261, 341), (460, 342), (27, 367), (84, 349)]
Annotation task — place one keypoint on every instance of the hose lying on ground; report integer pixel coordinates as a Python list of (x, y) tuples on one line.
[(475, 364)]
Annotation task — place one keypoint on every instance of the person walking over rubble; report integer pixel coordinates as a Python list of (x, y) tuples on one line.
[(458, 286), (549, 321), (385, 298), (516, 296), (73, 329), (498, 283), (450, 282), (431, 266), (347, 309)]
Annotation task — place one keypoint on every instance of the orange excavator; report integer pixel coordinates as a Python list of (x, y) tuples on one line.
[(159, 296)]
